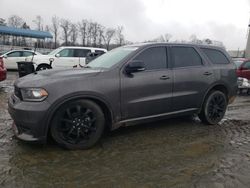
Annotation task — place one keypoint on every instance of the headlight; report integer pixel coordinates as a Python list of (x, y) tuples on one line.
[(34, 94)]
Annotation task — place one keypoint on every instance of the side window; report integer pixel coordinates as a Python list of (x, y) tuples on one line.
[(215, 56), (99, 52), (81, 52), (14, 54), (67, 53), (247, 65), (26, 54), (185, 57), (153, 58)]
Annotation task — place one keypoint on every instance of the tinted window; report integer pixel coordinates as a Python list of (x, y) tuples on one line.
[(67, 53), (215, 56), (99, 52), (25, 54), (185, 57), (81, 52), (153, 58), (247, 65), (15, 54)]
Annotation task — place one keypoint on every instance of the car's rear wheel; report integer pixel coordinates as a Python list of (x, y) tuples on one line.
[(43, 67), (213, 108), (78, 124)]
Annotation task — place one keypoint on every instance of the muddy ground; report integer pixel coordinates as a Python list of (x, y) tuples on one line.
[(170, 153)]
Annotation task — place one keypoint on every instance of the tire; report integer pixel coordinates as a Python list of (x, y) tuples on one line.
[(43, 67), (213, 108), (78, 124)]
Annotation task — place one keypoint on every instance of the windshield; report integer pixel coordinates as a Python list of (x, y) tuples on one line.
[(54, 52), (112, 57), (238, 63)]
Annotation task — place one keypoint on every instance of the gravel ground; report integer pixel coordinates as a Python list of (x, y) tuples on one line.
[(169, 153)]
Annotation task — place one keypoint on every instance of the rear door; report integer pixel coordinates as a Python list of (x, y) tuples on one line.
[(82, 54), (12, 58), (192, 77), (148, 92)]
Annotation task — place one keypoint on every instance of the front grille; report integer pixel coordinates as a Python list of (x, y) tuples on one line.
[(17, 92)]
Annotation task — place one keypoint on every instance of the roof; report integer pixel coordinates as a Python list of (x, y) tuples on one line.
[(172, 43), (25, 32)]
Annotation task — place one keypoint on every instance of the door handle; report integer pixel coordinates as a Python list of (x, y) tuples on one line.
[(164, 77), (207, 73)]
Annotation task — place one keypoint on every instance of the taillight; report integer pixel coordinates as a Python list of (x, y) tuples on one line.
[(1, 62)]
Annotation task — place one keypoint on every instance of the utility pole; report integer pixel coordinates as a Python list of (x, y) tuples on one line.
[(247, 51)]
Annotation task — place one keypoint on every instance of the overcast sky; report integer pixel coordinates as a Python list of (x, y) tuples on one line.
[(222, 20)]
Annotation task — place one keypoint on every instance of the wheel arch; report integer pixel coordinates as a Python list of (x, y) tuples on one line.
[(218, 87), (43, 64), (106, 108)]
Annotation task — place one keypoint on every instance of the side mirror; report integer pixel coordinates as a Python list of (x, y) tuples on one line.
[(135, 66), (57, 55)]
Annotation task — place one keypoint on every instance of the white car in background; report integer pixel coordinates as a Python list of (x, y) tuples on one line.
[(10, 58), (63, 57)]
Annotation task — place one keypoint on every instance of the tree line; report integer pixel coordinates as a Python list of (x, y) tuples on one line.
[(82, 33), (67, 33)]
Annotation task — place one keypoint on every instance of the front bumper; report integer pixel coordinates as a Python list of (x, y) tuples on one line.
[(30, 119)]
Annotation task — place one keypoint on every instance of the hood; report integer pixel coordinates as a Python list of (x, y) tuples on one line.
[(40, 57), (42, 78)]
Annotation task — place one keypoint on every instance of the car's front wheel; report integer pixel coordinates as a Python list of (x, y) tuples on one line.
[(78, 124), (43, 67), (213, 108)]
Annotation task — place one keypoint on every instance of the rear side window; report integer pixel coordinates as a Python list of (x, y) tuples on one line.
[(25, 54), (185, 57), (153, 58), (215, 56), (81, 52)]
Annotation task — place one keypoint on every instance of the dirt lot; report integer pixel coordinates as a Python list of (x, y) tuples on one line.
[(171, 153)]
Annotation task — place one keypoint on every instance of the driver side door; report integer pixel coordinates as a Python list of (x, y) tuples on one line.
[(149, 92)]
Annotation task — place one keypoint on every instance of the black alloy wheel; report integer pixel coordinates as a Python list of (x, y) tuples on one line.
[(214, 108), (78, 124)]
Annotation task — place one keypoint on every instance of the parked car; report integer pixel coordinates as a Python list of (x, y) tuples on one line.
[(243, 84), (2, 70), (127, 85), (238, 61), (10, 58), (64, 57), (244, 70)]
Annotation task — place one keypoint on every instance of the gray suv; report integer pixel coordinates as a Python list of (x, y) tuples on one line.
[(127, 85)]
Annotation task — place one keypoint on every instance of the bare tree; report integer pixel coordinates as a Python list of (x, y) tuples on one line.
[(55, 29), (89, 33), (167, 37), (15, 21), (107, 37), (73, 33), (2, 22), (101, 30), (39, 23), (66, 27), (83, 26), (119, 35)]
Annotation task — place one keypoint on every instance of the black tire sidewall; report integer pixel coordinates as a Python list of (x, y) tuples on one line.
[(99, 123), (208, 100)]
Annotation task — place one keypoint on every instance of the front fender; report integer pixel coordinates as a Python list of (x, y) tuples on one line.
[(74, 96)]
